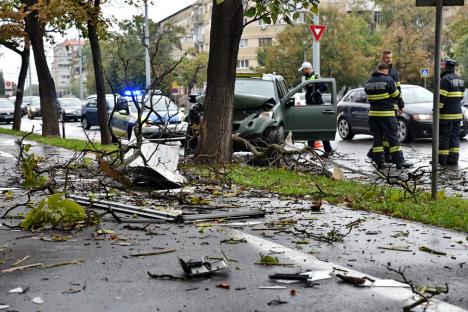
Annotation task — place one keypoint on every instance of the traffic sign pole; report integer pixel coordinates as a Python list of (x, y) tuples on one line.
[(435, 119), (316, 49)]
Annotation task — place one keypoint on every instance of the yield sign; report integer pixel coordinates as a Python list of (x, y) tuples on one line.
[(317, 31)]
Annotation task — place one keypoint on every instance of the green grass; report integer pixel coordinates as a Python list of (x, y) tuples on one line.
[(447, 212), (71, 144)]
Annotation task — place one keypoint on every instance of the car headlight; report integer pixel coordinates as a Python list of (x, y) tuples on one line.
[(422, 117), (266, 115)]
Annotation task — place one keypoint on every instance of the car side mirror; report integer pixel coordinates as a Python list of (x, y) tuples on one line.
[(123, 112), (290, 102)]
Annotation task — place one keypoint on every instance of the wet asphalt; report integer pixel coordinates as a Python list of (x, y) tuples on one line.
[(110, 279)]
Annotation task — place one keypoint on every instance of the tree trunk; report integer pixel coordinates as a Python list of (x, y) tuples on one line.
[(20, 89), (99, 76), (36, 30), (216, 128)]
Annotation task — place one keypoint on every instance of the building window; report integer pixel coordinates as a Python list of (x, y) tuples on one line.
[(242, 63), (263, 42), (243, 43)]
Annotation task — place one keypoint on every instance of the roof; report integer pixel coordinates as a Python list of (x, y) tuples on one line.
[(72, 42)]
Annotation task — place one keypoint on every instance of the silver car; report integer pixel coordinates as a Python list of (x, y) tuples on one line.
[(7, 110)]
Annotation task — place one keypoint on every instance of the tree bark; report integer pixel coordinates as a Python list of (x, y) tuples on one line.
[(47, 93), (216, 127), (106, 137), (20, 89)]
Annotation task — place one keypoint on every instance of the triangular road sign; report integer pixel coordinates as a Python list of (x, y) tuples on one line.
[(317, 31)]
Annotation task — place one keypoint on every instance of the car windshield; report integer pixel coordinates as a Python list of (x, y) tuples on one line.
[(6, 104), (69, 102), (161, 103), (35, 102), (255, 86), (414, 95)]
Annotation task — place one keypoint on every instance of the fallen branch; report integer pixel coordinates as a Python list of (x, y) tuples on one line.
[(153, 253)]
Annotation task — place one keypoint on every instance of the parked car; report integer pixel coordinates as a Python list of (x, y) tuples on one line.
[(264, 111), (415, 122), (24, 105), (89, 116), (33, 108), (70, 108), (7, 110), (164, 122)]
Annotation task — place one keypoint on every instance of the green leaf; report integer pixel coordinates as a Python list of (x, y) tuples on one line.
[(250, 12), (218, 2), (269, 260)]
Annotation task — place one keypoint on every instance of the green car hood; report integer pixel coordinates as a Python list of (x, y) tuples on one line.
[(247, 101)]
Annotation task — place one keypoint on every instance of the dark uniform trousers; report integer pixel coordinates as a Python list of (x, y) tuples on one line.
[(381, 127), (449, 142)]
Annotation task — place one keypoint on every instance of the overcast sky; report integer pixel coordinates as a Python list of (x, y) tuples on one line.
[(10, 62)]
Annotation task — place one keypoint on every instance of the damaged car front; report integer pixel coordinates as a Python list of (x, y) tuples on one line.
[(255, 118)]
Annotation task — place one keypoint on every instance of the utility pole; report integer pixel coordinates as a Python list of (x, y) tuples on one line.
[(316, 49), (81, 66), (30, 91), (147, 54)]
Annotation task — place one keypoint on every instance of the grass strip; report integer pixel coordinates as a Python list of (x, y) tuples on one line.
[(445, 211), (71, 144)]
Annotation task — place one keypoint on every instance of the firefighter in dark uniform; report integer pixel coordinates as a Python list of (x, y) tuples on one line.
[(387, 58), (451, 94), (313, 96), (381, 91)]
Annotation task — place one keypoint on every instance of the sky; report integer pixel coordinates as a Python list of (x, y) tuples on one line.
[(10, 62)]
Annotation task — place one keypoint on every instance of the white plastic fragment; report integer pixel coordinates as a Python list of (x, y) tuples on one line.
[(17, 290), (272, 287), (37, 300), (4, 306)]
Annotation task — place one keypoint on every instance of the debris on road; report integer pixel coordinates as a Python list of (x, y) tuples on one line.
[(303, 277), (18, 290), (277, 302), (203, 267), (4, 306), (153, 253), (272, 287), (37, 300), (432, 251), (224, 286)]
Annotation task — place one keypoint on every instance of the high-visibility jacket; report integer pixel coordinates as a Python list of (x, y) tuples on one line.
[(396, 77), (381, 91), (451, 93)]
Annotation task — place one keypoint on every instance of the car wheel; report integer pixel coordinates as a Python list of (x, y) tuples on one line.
[(344, 129), (403, 131), (274, 135), (85, 123)]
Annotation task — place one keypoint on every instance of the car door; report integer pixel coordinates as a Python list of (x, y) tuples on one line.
[(361, 111), (91, 111), (120, 117), (311, 122)]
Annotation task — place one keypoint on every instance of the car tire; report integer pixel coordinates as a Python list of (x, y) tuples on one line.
[(85, 123), (344, 129), (274, 135), (403, 131)]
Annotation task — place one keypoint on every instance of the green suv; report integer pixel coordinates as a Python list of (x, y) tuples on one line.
[(265, 111)]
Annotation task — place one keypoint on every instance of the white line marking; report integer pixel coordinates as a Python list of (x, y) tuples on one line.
[(394, 293)]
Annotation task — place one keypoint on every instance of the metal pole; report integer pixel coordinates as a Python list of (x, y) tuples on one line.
[(316, 49), (81, 66), (30, 92), (147, 56), (425, 82), (435, 121)]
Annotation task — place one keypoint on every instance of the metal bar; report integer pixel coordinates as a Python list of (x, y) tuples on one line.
[(119, 207), (435, 121), (223, 215), (147, 53), (316, 49)]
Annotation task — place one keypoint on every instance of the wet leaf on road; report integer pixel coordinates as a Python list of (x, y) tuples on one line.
[(432, 251)]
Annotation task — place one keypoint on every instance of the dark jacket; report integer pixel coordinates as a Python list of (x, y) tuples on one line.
[(396, 77), (314, 91), (451, 94), (381, 91)]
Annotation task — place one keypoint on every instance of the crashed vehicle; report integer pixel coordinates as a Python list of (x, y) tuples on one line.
[(264, 111)]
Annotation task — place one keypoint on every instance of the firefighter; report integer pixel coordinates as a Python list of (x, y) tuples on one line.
[(451, 94), (381, 91), (313, 96)]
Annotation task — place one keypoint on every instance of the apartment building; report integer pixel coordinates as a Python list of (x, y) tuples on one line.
[(66, 65)]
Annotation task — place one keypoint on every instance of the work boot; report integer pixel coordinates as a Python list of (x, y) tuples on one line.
[(404, 164)]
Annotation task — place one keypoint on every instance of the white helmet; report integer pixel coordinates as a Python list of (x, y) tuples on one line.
[(305, 65)]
